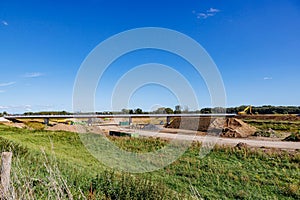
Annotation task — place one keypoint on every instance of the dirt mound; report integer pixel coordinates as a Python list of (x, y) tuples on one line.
[(195, 124), (77, 128), (237, 128), (62, 127), (226, 127), (3, 120), (17, 125), (150, 127)]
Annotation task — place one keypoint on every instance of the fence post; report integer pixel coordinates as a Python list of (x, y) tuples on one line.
[(5, 173)]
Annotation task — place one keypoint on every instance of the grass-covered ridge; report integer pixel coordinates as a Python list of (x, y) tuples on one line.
[(66, 169)]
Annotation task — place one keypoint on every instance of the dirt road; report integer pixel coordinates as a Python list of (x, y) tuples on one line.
[(188, 135)]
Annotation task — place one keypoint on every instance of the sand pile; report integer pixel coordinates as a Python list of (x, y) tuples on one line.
[(228, 127), (62, 127), (11, 124), (150, 127), (195, 124), (76, 128), (17, 125), (3, 120), (237, 128)]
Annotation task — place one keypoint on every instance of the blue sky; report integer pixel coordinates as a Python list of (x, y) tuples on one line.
[(254, 43)]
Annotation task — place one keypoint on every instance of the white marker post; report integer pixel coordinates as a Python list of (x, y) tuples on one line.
[(5, 173)]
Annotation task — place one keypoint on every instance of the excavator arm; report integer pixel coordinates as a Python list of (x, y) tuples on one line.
[(244, 112)]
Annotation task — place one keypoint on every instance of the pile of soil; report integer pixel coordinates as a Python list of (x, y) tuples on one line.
[(62, 127), (226, 127), (150, 127), (195, 124), (76, 128), (3, 120), (237, 128), (17, 125), (271, 117)]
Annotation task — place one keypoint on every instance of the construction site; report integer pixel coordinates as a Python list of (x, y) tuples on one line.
[(273, 131), (57, 152)]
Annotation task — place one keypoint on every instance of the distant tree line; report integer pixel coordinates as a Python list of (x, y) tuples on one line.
[(266, 109), (48, 113), (161, 110)]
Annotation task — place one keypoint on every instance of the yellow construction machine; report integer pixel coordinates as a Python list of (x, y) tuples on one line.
[(244, 112)]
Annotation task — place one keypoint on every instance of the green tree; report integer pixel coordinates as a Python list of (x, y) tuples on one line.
[(138, 111), (160, 110), (125, 111), (205, 110), (177, 109), (169, 110)]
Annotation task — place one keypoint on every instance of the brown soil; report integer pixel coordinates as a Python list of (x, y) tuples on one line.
[(77, 128), (237, 128), (195, 124), (228, 127), (62, 127)]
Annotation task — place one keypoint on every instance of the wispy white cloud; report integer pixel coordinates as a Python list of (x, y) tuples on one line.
[(268, 78), (33, 75), (201, 16), (7, 84), (2, 91), (213, 10), (209, 13), (5, 23)]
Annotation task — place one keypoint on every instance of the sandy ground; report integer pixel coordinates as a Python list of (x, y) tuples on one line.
[(168, 133), (17, 125)]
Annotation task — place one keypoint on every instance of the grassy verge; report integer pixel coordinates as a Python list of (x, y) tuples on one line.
[(56, 165), (275, 125)]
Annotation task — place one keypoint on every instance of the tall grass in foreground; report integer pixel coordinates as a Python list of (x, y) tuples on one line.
[(38, 176), (65, 170)]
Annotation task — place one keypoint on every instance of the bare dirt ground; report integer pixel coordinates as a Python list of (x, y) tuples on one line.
[(169, 133), (17, 125), (230, 127), (193, 136)]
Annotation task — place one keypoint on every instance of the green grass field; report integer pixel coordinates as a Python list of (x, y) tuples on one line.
[(291, 126), (56, 165)]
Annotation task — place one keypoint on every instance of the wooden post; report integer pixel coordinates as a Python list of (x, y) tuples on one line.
[(5, 173)]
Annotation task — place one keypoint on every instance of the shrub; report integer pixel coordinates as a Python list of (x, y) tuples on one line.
[(262, 134), (295, 137)]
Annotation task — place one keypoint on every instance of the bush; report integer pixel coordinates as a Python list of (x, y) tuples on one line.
[(295, 137), (262, 134)]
